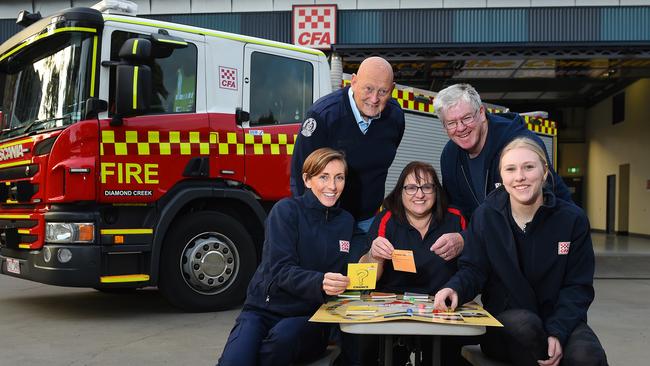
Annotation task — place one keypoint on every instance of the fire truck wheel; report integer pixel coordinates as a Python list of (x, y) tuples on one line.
[(207, 260)]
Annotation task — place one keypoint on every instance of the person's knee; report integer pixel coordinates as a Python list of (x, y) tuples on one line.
[(584, 348), (282, 339), (585, 356), (523, 325)]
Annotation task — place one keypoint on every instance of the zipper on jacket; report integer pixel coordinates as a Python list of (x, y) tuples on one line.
[(469, 185), (487, 172), (268, 290)]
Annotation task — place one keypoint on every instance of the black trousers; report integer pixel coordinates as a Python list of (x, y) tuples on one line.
[(523, 341), (372, 345)]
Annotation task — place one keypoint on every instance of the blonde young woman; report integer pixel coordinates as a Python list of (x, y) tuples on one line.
[(530, 255)]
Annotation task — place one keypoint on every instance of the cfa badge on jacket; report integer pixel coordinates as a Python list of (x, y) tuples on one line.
[(563, 247), (344, 246)]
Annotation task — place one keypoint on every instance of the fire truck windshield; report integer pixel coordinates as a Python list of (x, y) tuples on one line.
[(46, 85)]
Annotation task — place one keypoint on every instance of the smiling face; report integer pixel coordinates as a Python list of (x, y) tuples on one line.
[(420, 204), (327, 185), (469, 138), (523, 174), (372, 86)]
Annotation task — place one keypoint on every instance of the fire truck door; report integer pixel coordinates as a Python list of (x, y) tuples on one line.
[(150, 153), (278, 89)]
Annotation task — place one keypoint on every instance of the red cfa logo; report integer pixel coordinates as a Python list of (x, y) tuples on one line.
[(314, 26), (563, 247), (227, 78), (344, 246)]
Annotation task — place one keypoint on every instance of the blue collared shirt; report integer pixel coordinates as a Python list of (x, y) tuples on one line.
[(363, 124)]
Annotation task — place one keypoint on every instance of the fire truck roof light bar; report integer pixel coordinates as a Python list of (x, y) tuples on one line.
[(124, 7)]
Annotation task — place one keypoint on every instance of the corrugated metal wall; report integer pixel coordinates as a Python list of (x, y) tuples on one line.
[(8, 27), (424, 138), (413, 26), (636, 20), (272, 25)]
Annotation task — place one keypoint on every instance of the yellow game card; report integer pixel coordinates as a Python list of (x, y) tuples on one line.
[(403, 260), (363, 276)]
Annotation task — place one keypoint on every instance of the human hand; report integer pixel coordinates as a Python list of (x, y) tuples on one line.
[(448, 246), (440, 303), (335, 283), (381, 249), (554, 353)]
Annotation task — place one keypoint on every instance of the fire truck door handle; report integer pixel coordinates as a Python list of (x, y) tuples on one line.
[(241, 116)]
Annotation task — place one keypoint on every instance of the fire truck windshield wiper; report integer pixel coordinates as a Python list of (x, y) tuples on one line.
[(32, 126), (42, 124)]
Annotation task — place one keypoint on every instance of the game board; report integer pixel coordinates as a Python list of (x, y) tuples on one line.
[(368, 310)]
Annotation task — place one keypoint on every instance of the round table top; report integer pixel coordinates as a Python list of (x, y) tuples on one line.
[(409, 327)]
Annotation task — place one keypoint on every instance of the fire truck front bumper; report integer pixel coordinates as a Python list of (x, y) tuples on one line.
[(54, 264)]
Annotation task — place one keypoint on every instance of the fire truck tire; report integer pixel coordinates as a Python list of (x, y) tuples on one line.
[(207, 260)]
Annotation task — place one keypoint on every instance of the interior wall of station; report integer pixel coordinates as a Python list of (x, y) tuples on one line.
[(608, 147)]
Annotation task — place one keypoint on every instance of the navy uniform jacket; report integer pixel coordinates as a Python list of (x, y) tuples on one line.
[(457, 181), (559, 286), (432, 271), (330, 123), (303, 241)]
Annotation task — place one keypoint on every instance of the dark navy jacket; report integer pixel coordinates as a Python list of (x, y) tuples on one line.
[(559, 287), (368, 156), (432, 270), (457, 181), (303, 241)]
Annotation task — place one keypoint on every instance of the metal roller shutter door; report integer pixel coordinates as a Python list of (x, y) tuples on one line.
[(548, 144), (424, 139)]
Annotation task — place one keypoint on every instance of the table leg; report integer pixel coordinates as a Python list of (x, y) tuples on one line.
[(436, 351), (388, 350)]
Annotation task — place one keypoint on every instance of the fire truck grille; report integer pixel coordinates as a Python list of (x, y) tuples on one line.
[(16, 232)]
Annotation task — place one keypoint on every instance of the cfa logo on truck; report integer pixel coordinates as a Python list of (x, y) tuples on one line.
[(314, 26), (227, 78)]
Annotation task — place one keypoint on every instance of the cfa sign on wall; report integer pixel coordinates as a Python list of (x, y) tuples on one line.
[(314, 26)]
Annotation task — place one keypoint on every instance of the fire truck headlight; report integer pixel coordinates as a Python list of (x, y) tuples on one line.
[(69, 232)]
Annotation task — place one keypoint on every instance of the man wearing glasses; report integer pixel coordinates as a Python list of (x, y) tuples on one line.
[(469, 163), (366, 124)]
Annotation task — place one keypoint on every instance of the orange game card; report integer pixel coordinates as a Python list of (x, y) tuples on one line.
[(403, 260)]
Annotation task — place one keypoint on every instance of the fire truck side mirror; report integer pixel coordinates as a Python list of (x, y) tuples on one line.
[(133, 90), (94, 106), (241, 116), (136, 50)]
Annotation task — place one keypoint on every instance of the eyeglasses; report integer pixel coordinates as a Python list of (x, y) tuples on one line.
[(412, 189), (467, 121), (369, 90)]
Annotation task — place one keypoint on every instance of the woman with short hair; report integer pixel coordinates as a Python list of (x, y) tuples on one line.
[(306, 247)]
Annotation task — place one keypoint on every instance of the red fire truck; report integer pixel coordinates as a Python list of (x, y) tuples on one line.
[(136, 152)]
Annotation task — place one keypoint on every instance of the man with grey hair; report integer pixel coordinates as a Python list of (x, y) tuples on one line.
[(469, 163)]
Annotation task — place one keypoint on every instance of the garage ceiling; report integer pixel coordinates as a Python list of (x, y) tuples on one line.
[(520, 76)]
